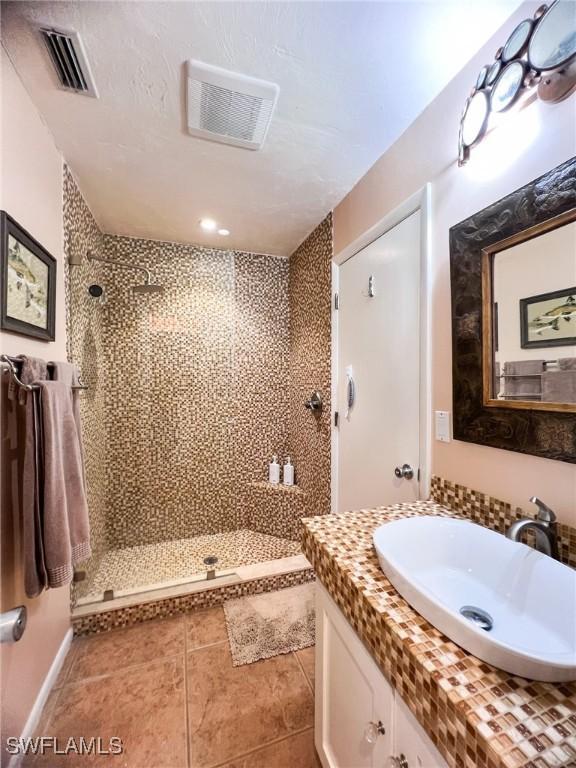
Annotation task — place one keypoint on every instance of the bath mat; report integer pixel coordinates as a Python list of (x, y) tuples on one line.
[(262, 626)]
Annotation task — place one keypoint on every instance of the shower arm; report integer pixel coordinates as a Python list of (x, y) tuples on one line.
[(123, 264)]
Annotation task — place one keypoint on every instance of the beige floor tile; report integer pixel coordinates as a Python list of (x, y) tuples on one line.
[(205, 628), (112, 651), (144, 707), (294, 752), (306, 658), (234, 710)]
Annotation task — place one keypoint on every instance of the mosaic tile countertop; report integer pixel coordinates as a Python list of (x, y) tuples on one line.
[(478, 716)]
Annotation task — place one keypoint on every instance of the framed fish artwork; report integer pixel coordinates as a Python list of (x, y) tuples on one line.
[(28, 289), (548, 320)]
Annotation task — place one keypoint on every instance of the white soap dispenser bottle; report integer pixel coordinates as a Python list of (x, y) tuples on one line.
[(274, 471), (288, 474)]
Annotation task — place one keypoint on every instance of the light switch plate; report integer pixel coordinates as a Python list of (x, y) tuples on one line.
[(443, 426)]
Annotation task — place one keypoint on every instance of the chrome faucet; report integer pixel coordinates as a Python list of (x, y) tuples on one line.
[(544, 527)]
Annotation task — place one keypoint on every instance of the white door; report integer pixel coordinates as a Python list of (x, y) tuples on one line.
[(354, 704), (379, 369)]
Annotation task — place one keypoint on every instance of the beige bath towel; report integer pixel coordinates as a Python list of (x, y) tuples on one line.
[(559, 386), (35, 578), (68, 373), (66, 528), (523, 378)]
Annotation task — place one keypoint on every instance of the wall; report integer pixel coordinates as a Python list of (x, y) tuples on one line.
[(310, 355), (31, 192), (525, 146)]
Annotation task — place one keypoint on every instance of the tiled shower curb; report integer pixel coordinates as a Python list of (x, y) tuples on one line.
[(127, 616)]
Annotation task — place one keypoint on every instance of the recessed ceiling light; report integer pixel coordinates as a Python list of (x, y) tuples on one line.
[(208, 225), (224, 232)]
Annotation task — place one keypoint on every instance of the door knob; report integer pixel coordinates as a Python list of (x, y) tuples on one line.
[(404, 471)]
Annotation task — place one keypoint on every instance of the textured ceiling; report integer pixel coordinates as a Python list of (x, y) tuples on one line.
[(352, 77)]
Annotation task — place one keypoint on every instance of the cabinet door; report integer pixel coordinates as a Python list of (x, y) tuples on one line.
[(411, 741), (353, 700)]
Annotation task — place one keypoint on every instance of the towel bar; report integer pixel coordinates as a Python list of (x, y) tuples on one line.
[(11, 369)]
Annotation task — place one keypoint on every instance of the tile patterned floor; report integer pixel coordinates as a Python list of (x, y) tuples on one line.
[(142, 566), (169, 691)]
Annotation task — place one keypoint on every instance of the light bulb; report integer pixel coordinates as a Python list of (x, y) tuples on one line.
[(208, 225)]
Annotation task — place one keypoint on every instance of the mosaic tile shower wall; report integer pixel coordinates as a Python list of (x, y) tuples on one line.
[(86, 347), (310, 349), (192, 390), (197, 387)]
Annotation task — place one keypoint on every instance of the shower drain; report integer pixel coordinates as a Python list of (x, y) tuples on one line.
[(477, 616)]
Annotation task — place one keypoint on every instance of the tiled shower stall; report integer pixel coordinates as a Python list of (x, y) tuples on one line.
[(190, 392)]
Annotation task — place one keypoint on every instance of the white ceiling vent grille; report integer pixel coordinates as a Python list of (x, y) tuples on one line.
[(228, 107), (69, 59)]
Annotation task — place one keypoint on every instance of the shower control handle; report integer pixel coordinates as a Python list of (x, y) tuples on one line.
[(315, 402), (405, 471)]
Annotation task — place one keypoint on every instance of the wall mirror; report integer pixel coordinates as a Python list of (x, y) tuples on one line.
[(513, 285), (529, 318)]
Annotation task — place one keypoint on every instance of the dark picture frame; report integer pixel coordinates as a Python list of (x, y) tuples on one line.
[(520, 427), (20, 279), (563, 341)]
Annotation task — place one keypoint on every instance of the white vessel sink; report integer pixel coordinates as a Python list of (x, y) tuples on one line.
[(440, 565)]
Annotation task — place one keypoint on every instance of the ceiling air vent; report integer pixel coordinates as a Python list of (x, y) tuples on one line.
[(69, 59), (228, 107)]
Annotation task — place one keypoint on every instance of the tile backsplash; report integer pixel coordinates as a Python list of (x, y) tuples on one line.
[(496, 514)]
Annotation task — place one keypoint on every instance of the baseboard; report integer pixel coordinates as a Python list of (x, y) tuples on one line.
[(43, 693)]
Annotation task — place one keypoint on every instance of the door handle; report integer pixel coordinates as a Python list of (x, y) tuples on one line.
[(13, 624), (350, 390), (405, 471)]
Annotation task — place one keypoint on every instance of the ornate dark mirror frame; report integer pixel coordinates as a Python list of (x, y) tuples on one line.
[(550, 434)]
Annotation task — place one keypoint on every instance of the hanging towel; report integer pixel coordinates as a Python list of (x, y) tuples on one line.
[(68, 373), (66, 527), (559, 386), (522, 378), (35, 577)]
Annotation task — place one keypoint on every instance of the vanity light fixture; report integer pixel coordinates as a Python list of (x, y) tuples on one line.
[(539, 57)]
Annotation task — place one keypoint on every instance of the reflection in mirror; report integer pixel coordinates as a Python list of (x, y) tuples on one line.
[(534, 319), (553, 43)]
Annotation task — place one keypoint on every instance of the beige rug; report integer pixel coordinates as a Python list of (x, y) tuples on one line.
[(262, 626)]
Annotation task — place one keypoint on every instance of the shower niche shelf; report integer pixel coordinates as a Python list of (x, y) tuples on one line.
[(264, 485)]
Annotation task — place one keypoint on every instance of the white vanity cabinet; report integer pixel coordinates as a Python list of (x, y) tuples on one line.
[(411, 743), (360, 721)]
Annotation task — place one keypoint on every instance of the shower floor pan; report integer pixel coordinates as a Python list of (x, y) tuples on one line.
[(151, 567)]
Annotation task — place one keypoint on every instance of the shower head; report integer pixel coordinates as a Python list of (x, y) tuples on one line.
[(97, 292), (148, 288)]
